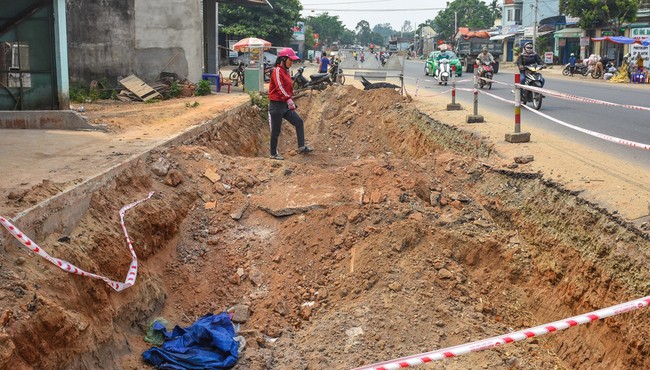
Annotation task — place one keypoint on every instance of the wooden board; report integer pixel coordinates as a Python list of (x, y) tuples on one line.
[(139, 88)]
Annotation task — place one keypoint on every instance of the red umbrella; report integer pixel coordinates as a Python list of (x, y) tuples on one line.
[(245, 45)]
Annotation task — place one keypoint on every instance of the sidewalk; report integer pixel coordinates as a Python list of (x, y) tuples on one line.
[(55, 160)]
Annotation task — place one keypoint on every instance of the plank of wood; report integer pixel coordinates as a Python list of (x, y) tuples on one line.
[(139, 88)]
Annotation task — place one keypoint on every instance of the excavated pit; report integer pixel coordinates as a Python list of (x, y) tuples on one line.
[(397, 236)]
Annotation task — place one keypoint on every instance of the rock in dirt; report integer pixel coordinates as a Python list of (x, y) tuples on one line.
[(240, 313), (523, 159), (161, 167), (211, 175), (174, 178)]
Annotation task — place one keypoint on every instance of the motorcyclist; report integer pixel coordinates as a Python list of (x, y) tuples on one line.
[(443, 55), (484, 58), (526, 58)]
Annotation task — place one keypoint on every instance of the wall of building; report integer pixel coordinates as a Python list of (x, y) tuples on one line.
[(168, 34), (115, 38)]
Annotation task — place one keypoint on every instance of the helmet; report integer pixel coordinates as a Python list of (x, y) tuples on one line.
[(484, 49), (288, 52), (528, 44), (443, 47), (572, 54)]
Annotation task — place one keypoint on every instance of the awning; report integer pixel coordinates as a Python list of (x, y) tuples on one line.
[(568, 33), (502, 37), (617, 39), (539, 34)]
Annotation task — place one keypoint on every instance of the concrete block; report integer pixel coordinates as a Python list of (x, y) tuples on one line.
[(518, 137), (453, 106), (471, 118)]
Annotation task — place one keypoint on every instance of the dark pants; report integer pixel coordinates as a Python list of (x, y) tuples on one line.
[(277, 111)]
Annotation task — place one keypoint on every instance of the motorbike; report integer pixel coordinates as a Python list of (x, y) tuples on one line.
[(533, 78), (486, 71), (318, 81), (582, 69), (337, 73), (267, 71), (442, 71), (237, 74)]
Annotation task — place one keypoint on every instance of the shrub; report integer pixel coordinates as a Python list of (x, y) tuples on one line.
[(203, 88)]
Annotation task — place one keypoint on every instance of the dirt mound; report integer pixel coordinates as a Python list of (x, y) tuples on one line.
[(396, 236)]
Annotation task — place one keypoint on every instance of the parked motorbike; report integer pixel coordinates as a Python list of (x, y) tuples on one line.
[(442, 71), (533, 78), (267, 71), (337, 73), (318, 81), (485, 71), (582, 69), (237, 74)]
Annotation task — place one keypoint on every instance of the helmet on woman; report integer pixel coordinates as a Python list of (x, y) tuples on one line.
[(573, 54), (289, 53), (528, 45)]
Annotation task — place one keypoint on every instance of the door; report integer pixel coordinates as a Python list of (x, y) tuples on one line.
[(27, 68)]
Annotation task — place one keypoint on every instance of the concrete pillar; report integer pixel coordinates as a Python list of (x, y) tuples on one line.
[(61, 55)]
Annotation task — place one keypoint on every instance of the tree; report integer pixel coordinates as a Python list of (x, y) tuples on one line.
[(470, 13), (385, 30), (274, 25), (495, 9), (601, 13), (363, 32), (329, 28), (407, 27)]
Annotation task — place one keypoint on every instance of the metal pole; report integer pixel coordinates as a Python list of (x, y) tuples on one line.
[(475, 95), (517, 103), (535, 27), (453, 85)]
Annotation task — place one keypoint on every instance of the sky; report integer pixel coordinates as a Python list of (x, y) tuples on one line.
[(395, 12)]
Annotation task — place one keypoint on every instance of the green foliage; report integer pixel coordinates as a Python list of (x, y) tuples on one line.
[(601, 13), (202, 88), (262, 101), (175, 90), (274, 25), (363, 32), (471, 13), (193, 105), (78, 94), (329, 28), (385, 30)]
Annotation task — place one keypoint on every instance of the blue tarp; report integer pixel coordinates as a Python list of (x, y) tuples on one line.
[(617, 39), (207, 344)]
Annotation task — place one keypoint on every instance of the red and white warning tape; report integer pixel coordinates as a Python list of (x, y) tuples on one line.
[(613, 139), (508, 338), (70, 268), (564, 96)]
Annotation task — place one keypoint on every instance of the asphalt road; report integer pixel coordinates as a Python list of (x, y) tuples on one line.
[(618, 122)]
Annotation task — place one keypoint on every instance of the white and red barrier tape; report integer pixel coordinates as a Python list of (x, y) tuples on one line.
[(581, 99), (612, 139), (498, 341), (72, 269)]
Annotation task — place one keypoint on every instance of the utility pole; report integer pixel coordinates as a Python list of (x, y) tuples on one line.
[(535, 28)]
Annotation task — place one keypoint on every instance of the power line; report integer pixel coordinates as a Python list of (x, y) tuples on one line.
[(352, 2), (372, 10)]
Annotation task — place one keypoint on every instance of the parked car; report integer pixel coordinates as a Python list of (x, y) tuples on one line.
[(431, 63)]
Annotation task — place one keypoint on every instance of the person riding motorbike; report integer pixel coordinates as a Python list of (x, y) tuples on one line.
[(526, 58), (484, 58)]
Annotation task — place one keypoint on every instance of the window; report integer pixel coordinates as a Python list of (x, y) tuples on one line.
[(517, 16), (509, 15)]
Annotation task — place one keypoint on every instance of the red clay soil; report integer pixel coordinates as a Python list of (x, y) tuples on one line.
[(398, 235)]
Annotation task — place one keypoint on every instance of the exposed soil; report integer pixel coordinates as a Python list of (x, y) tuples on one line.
[(398, 235)]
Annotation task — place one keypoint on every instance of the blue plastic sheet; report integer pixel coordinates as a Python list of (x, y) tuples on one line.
[(207, 344)]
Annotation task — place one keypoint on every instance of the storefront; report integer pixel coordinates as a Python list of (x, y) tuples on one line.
[(567, 41)]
